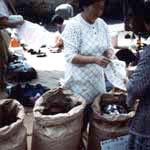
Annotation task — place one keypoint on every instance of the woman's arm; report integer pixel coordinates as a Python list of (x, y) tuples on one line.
[(72, 39), (99, 60)]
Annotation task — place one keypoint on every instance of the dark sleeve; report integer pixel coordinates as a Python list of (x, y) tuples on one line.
[(140, 79)]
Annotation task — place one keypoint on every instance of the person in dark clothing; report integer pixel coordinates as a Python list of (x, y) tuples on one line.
[(5, 11), (58, 22), (138, 87)]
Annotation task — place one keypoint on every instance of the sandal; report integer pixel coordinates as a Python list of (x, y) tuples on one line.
[(41, 55)]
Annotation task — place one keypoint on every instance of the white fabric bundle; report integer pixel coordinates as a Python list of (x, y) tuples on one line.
[(15, 18)]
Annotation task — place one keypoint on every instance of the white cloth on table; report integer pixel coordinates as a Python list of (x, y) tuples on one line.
[(35, 35), (83, 38)]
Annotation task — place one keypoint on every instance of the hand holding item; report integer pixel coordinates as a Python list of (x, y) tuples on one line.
[(102, 61), (109, 54)]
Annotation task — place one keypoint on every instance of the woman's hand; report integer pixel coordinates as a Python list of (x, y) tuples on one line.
[(110, 54), (58, 42), (102, 61)]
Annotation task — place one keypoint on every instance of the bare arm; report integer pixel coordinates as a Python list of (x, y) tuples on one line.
[(99, 60)]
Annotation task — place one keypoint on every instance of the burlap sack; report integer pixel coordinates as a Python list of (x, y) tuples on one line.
[(105, 126), (13, 134), (60, 131)]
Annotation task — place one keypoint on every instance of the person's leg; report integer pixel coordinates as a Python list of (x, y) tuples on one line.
[(2, 64), (3, 94), (84, 131), (4, 54), (142, 143), (138, 143), (86, 119), (131, 143)]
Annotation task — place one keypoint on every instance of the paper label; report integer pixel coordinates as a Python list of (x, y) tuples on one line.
[(119, 143)]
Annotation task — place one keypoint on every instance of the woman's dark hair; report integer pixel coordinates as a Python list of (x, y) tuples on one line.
[(56, 19), (86, 3)]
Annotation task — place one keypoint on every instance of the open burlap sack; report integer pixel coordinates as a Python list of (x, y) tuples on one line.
[(106, 126), (54, 127), (13, 134)]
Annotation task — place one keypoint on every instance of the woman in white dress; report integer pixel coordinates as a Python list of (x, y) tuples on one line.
[(87, 49)]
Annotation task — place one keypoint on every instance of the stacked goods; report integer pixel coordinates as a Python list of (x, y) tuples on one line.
[(12, 131), (109, 119), (58, 117)]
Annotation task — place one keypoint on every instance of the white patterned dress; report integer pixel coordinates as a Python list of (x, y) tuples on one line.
[(80, 37)]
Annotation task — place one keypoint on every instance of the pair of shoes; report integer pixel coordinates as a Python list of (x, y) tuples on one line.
[(42, 54), (32, 51), (128, 36), (55, 50), (39, 53), (43, 46)]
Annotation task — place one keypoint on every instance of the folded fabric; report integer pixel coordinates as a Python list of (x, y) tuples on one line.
[(15, 18), (20, 71), (26, 94)]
